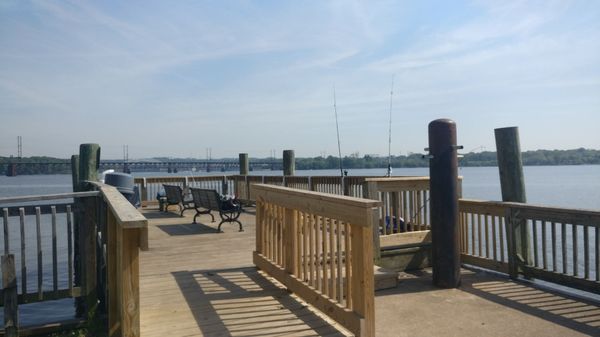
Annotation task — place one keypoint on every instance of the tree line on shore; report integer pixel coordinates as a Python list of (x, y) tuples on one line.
[(579, 156)]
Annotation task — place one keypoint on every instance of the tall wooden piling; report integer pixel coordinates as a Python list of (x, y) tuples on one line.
[(89, 162), (244, 164), (443, 171), (79, 306), (9, 289), (289, 163), (512, 182)]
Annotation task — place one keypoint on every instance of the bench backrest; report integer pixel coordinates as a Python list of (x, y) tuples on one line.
[(174, 194), (206, 198)]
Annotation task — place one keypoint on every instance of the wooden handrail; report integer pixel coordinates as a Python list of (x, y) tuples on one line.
[(58, 196), (320, 247), (487, 240), (126, 235)]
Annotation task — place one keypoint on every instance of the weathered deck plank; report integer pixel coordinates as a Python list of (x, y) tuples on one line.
[(195, 282)]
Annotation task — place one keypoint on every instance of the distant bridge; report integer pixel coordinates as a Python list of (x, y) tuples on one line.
[(25, 167)]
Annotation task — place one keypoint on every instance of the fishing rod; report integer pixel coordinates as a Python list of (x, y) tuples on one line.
[(338, 132), (389, 169)]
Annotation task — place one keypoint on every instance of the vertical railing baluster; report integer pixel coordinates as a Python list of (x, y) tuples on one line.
[(340, 277), (325, 286), (575, 249), (553, 230), (23, 255), (502, 229), (54, 254), (332, 256), (586, 252), (597, 248), (311, 247), (348, 256), (535, 242), (494, 237), (70, 249), (479, 240), (318, 259), (563, 239), (40, 270), (544, 251), (6, 238), (472, 225), (487, 237)]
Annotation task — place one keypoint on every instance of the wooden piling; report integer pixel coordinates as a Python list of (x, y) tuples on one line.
[(244, 164), (89, 161), (9, 285), (443, 171), (289, 163), (512, 182)]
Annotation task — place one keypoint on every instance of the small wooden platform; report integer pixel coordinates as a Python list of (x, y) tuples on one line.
[(196, 282)]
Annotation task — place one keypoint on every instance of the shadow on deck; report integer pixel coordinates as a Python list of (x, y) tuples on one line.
[(196, 282), (242, 302)]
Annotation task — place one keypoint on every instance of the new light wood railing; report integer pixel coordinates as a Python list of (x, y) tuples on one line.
[(562, 245), (320, 247), (123, 233)]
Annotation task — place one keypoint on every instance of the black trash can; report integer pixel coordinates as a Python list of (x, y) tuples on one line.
[(124, 184)]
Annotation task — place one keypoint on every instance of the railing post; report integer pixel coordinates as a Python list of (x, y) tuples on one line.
[(144, 193), (77, 220), (443, 171), (512, 181), (259, 228), (9, 285), (362, 278), (224, 186), (370, 192), (291, 241)]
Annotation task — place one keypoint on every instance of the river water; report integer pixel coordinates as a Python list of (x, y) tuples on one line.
[(561, 186)]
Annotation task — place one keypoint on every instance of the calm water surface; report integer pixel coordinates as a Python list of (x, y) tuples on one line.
[(562, 186)]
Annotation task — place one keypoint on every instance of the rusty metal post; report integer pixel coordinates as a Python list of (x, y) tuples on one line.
[(443, 171)]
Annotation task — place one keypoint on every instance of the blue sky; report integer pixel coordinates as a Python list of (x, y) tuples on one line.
[(173, 78)]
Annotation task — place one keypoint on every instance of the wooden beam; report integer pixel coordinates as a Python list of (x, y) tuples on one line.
[(347, 209), (407, 238)]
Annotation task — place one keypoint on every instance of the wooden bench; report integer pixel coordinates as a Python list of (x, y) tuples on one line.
[(206, 201), (174, 196)]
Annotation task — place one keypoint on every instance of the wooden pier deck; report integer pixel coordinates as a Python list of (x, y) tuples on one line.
[(195, 282)]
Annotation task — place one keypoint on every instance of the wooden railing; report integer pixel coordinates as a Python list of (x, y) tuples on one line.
[(38, 229), (241, 185), (99, 226), (561, 245), (151, 186), (123, 233), (320, 247)]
